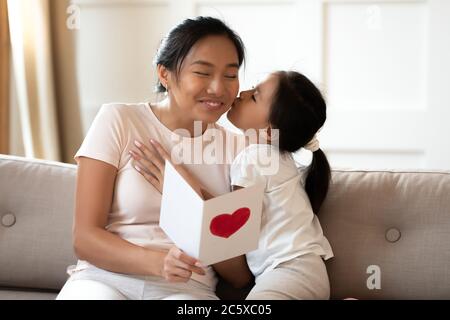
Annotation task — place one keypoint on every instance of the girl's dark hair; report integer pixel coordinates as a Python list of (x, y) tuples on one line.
[(176, 45), (298, 111)]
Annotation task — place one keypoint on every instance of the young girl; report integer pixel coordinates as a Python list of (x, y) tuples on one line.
[(290, 110)]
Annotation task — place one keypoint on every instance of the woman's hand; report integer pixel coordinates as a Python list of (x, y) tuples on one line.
[(178, 266), (150, 162)]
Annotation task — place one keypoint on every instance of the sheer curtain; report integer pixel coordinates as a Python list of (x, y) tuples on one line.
[(45, 79), (4, 79)]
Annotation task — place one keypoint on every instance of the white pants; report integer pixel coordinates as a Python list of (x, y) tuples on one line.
[(98, 284), (302, 278)]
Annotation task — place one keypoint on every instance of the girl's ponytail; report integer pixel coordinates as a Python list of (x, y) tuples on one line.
[(298, 111), (318, 180)]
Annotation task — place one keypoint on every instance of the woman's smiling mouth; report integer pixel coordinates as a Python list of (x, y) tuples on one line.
[(212, 105)]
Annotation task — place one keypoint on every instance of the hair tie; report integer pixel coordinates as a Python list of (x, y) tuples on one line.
[(313, 145)]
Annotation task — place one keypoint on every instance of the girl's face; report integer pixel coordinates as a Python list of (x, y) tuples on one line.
[(251, 110), (208, 80)]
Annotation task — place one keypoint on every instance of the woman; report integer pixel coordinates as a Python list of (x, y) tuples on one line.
[(123, 253)]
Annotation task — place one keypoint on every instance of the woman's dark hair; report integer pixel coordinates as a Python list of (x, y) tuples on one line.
[(298, 111), (176, 45)]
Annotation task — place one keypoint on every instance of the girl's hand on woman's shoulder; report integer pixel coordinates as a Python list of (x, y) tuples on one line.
[(150, 162)]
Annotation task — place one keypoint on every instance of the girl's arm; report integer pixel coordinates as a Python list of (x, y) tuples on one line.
[(151, 166), (235, 270), (150, 162)]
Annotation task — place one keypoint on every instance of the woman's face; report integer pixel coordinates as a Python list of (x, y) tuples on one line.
[(208, 81), (252, 109)]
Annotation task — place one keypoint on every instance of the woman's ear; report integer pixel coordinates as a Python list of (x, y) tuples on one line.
[(163, 75)]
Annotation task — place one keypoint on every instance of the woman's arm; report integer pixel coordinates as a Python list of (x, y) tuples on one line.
[(94, 192)]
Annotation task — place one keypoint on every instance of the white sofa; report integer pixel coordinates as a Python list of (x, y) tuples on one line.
[(398, 222)]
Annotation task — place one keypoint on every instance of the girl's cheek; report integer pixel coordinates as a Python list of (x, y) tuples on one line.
[(248, 119)]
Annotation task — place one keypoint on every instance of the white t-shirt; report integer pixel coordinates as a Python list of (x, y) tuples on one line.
[(135, 208), (289, 228)]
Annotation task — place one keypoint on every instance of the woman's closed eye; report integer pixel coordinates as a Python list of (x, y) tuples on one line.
[(204, 74), (201, 73)]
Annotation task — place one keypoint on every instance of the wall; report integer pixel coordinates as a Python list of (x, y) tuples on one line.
[(381, 64)]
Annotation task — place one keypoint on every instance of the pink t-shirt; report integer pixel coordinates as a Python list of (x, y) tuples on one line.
[(135, 209)]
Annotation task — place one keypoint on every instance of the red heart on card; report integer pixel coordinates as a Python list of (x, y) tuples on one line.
[(224, 225)]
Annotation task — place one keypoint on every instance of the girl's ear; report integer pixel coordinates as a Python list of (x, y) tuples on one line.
[(273, 135), (163, 75), (269, 133)]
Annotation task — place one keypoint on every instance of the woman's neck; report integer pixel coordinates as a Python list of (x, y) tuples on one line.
[(174, 120)]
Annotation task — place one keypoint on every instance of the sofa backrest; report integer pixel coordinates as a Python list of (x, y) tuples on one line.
[(386, 225), (391, 224), (36, 212)]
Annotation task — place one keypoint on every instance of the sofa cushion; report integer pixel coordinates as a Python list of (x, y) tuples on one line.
[(27, 295), (36, 213), (396, 221)]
